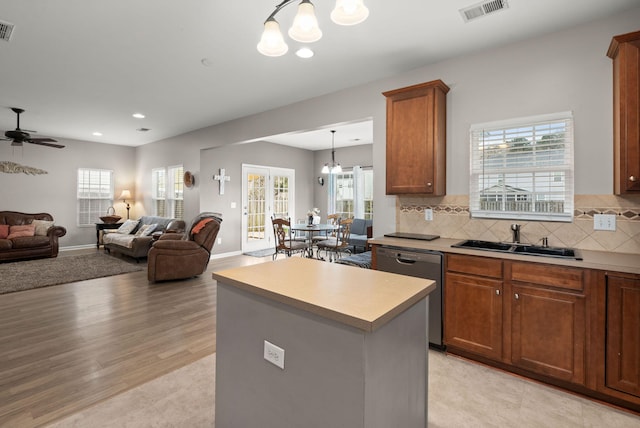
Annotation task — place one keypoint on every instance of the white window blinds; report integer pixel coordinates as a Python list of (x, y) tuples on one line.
[(94, 193), (523, 168)]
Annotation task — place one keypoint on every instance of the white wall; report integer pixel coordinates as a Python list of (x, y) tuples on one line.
[(568, 70), (55, 192)]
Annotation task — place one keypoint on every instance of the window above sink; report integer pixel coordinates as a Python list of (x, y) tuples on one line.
[(523, 168)]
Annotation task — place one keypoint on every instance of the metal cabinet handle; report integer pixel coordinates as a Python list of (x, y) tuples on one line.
[(497, 292), (632, 178), (517, 296)]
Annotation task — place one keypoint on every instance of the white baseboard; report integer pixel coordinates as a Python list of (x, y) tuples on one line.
[(223, 255), (77, 247)]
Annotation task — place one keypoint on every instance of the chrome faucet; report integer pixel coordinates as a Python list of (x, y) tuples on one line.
[(515, 232)]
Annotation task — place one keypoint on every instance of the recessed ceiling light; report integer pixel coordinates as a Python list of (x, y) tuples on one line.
[(143, 129), (206, 62), (304, 53), (97, 134), (138, 115)]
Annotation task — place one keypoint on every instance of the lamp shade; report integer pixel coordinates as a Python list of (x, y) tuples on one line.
[(126, 194), (349, 12), (305, 24), (272, 43)]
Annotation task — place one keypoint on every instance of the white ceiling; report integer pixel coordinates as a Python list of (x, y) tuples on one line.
[(79, 66)]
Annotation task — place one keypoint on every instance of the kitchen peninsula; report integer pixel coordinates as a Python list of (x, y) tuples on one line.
[(302, 342)]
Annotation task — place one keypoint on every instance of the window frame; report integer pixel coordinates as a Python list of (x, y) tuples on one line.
[(542, 190), (100, 202)]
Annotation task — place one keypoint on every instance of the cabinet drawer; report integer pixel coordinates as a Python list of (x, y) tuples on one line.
[(472, 265), (550, 275)]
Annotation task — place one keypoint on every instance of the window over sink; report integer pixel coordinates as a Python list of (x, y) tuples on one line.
[(523, 168)]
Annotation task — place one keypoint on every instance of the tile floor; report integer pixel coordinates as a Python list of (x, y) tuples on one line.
[(461, 394)]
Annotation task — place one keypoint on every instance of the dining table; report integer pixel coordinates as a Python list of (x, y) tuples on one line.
[(311, 230)]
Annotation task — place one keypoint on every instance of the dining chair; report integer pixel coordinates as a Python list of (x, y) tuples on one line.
[(284, 243), (334, 247), (332, 219)]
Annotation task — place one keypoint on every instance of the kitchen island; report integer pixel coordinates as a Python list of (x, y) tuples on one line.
[(302, 342)]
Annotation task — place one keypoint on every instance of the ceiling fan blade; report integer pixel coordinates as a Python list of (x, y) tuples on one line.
[(44, 142)]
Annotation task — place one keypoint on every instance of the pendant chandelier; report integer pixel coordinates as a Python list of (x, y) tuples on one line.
[(305, 27), (334, 167)]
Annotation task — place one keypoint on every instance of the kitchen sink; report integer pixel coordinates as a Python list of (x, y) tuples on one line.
[(524, 249)]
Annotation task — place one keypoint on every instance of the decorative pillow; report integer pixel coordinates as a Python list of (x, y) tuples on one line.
[(4, 231), (146, 229), (201, 224), (22, 230), (42, 226), (127, 227)]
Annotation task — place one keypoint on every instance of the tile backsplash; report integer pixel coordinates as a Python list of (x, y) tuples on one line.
[(451, 220)]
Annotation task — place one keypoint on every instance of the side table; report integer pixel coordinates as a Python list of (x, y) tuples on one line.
[(103, 226)]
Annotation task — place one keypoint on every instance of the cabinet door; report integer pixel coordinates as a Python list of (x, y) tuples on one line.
[(416, 139), (623, 334), (473, 314), (548, 332), (625, 52)]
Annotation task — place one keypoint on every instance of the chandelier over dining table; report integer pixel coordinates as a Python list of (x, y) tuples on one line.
[(305, 27)]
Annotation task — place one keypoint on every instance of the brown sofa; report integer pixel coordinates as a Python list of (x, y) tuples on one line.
[(43, 244)]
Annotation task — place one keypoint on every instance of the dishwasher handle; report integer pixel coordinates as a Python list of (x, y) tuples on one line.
[(404, 261)]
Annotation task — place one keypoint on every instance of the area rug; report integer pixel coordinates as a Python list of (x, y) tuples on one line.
[(28, 274), (260, 253)]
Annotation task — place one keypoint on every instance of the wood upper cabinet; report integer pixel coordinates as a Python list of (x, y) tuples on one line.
[(623, 334), (416, 139), (625, 52)]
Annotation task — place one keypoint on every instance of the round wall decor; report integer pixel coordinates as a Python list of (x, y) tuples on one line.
[(189, 179)]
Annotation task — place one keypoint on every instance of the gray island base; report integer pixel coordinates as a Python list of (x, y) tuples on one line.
[(354, 347)]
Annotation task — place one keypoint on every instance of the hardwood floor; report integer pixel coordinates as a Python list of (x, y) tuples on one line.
[(67, 347)]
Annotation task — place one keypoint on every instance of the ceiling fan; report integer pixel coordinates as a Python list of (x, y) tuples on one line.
[(19, 136)]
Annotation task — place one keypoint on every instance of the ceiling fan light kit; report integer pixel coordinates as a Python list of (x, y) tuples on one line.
[(305, 27)]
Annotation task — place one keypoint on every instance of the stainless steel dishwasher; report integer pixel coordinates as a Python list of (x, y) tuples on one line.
[(422, 264)]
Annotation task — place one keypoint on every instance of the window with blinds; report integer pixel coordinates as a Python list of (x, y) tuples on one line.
[(159, 191), (168, 191), (94, 194), (523, 168), (175, 197)]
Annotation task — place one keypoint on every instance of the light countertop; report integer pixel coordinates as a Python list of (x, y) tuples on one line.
[(600, 260), (361, 298)]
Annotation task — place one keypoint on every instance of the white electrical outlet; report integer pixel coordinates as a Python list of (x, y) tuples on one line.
[(428, 214), (274, 354), (233, 205), (219, 241), (604, 222)]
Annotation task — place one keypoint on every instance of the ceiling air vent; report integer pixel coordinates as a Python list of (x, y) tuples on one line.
[(481, 9), (5, 30)]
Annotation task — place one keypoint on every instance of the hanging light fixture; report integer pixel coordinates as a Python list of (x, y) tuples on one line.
[(305, 27), (335, 167)]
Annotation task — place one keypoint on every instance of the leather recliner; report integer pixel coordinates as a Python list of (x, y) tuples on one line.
[(175, 256)]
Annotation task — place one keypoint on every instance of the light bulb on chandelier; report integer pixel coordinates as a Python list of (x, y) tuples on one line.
[(305, 27), (335, 167)]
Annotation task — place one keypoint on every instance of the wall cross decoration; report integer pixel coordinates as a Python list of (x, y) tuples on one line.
[(221, 178)]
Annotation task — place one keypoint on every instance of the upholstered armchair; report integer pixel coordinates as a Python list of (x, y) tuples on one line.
[(178, 256)]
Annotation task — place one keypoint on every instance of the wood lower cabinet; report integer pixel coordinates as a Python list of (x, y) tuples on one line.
[(473, 305), (548, 332), (623, 334), (416, 139), (526, 315), (473, 315)]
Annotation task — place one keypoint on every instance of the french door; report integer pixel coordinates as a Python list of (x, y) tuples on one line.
[(266, 191)]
